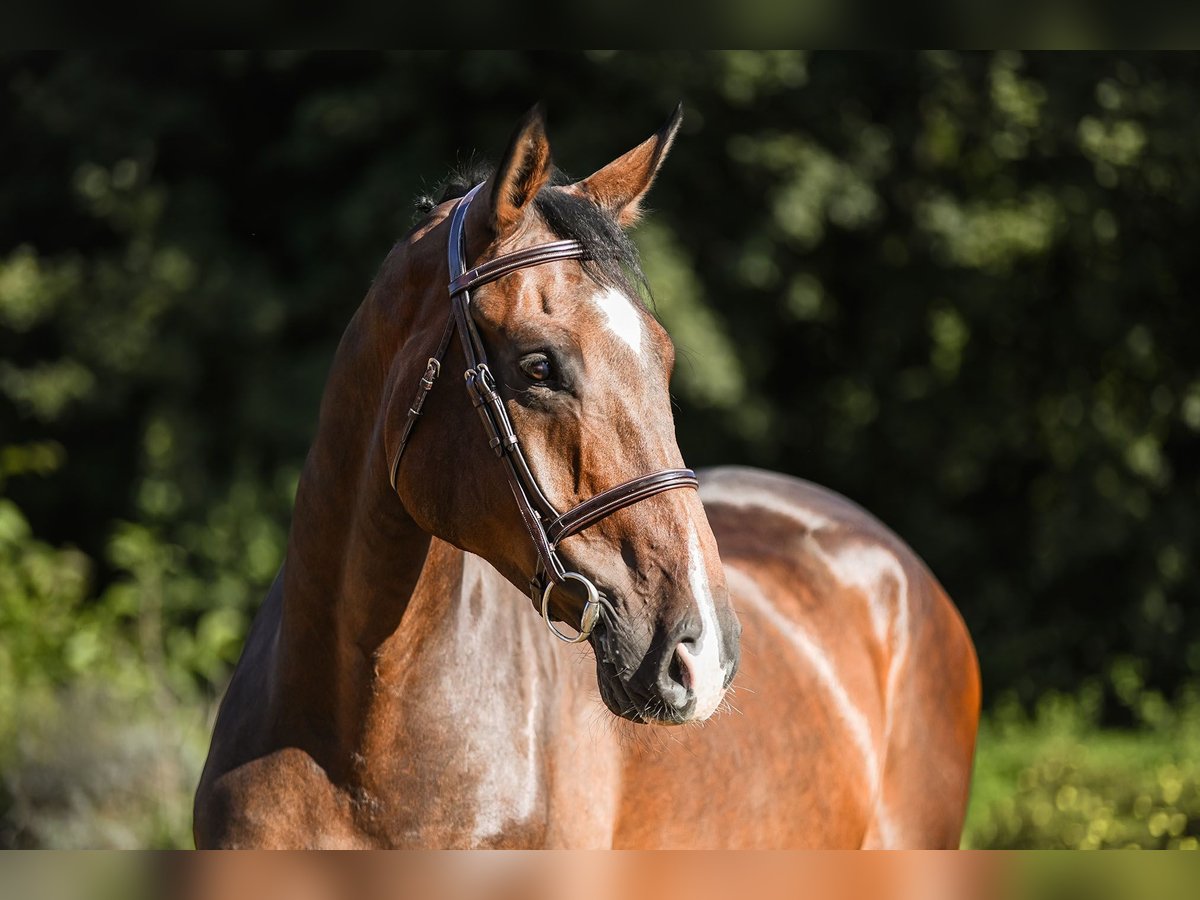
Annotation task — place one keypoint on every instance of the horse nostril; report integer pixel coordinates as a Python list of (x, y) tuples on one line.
[(676, 679), (678, 671)]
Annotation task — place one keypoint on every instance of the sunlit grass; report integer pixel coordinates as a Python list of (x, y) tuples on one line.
[(1055, 780)]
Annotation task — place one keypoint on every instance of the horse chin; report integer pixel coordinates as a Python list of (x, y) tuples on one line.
[(614, 692), (619, 702), (619, 698)]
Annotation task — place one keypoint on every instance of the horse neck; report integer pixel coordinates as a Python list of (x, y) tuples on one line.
[(362, 583), (354, 554)]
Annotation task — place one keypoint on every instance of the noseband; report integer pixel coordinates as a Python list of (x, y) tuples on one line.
[(545, 525)]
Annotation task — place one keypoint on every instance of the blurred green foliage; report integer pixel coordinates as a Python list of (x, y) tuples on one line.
[(958, 288), (1056, 780)]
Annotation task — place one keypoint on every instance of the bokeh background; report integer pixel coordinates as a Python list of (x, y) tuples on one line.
[(959, 288)]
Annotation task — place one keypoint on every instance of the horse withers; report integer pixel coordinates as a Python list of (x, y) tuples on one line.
[(496, 430)]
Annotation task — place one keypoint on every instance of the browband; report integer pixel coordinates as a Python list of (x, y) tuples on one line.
[(518, 259)]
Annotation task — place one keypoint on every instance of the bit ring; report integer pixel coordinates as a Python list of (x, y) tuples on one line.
[(591, 609)]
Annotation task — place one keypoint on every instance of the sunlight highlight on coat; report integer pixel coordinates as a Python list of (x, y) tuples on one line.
[(744, 587), (878, 575), (622, 317), (740, 496), (503, 794)]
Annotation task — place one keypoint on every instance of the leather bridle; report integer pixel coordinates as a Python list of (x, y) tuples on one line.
[(546, 527)]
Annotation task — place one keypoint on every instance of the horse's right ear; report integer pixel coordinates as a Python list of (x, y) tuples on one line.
[(620, 186), (521, 174)]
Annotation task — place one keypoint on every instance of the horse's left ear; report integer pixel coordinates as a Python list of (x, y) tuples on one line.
[(620, 186)]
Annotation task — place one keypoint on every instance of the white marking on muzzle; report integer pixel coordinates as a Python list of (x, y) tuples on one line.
[(704, 666), (622, 317)]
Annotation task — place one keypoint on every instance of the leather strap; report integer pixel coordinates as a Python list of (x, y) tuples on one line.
[(604, 504), (433, 368), (518, 259)]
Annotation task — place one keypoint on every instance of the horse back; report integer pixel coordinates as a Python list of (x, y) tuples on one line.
[(869, 631)]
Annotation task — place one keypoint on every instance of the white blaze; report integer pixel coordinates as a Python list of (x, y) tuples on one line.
[(708, 677), (622, 317)]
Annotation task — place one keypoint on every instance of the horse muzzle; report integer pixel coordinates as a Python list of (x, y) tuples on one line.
[(671, 683)]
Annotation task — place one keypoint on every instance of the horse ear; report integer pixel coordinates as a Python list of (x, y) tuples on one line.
[(521, 174), (620, 186)]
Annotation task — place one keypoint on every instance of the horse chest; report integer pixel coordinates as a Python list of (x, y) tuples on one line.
[(456, 755)]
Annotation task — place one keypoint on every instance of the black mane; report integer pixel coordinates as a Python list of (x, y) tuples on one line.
[(613, 258)]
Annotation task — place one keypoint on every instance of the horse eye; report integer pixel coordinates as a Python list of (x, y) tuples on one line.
[(536, 367)]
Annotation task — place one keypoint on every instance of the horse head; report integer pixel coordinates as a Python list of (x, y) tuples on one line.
[(578, 374)]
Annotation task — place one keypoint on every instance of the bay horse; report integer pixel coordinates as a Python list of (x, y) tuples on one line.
[(396, 691)]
